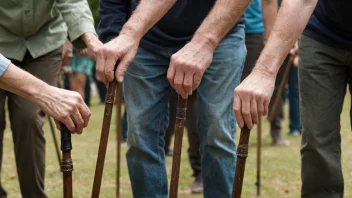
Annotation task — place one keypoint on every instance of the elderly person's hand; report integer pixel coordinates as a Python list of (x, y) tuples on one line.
[(252, 97), (65, 106), (188, 65)]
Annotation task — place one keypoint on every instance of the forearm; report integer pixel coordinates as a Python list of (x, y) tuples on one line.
[(291, 20), (22, 83), (147, 13), (269, 12), (220, 20)]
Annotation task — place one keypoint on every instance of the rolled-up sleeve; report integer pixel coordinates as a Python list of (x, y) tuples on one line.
[(113, 15), (4, 64), (77, 16)]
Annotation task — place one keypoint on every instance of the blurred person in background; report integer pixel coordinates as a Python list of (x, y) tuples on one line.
[(32, 37)]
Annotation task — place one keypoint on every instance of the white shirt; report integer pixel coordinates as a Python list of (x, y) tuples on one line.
[(4, 64)]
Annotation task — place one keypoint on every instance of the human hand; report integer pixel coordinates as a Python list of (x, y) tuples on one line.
[(188, 65), (66, 53), (252, 97), (93, 44), (65, 106), (122, 48)]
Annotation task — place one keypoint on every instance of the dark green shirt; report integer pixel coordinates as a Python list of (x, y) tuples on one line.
[(41, 26)]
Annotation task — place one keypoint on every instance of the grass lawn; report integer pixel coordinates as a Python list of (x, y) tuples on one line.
[(280, 165)]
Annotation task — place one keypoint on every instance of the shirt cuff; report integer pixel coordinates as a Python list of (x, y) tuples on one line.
[(4, 64), (79, 28)]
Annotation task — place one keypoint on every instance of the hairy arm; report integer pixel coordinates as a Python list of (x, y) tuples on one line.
[(269, 12), (220, 20), (292, 18), (252, 96)]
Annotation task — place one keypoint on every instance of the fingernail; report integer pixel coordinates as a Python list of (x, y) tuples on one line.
[(120, 78)]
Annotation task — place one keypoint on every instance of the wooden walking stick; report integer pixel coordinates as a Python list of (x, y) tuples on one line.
[(281, 88), (259, 147), (176, 159), (118, 137), (242, 153), (66, 163), (109, 102), (55, 140)]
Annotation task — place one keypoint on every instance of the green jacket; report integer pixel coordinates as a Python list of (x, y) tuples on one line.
[(41, 26)]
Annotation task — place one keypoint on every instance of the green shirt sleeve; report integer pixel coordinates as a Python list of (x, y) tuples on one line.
[(78, 18)]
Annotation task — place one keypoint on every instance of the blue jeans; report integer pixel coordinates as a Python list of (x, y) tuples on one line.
[(293, 97), (146, 100)]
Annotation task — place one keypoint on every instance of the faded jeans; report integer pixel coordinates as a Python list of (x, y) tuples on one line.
[(146, 98)]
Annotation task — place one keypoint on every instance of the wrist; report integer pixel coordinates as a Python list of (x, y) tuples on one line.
[(201, 39), (264, 70), (131, 31)]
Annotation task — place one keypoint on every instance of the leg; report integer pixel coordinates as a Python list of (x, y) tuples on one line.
[(26, 125), (194, 142), (146, 98), (295, 124), (275, 124), (254, 45), (3, 94), (216, 120), (78, 82), (322, 82)]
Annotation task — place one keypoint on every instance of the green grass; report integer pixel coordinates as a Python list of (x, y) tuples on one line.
[(280, 165)]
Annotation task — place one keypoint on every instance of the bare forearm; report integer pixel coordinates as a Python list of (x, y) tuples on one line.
[(291, 20), (147, 13), (22, 83), (220, 20), (269, 12)]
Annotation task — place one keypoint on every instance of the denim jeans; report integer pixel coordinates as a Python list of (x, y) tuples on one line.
[(293, 97), (146, 98)]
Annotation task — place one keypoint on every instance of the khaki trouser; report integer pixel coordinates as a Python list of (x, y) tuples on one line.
[(324, 73), (26, 125)]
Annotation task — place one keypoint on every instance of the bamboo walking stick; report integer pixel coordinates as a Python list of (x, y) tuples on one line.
[(259, 147), (55, 140), (242, 153), (109, 102), (118, 137), (281, 88), (176, 159), (66, 163)]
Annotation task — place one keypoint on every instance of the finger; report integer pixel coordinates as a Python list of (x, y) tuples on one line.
[(122, 67), (237, 107), (85, 113), (78, 120), (100, 67), (246, 112), (266, 107), (188, 83), (171, 75), (69, 124), (254, 112), (260, 106), (197, 79), (110, 68), (179, 77), (58, 124)]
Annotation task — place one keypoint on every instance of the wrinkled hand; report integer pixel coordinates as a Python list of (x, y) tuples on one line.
[(122, 48), (252, 97), (93, 44), (187, 67), (65, 106), (66, 53)]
